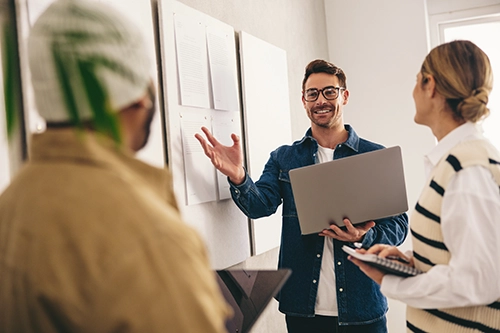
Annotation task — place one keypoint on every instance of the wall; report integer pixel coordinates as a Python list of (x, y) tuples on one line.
[(381, 46), (446, 6)]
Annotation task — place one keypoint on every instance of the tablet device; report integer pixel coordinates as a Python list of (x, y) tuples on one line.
[(362, 187), (249, 292)]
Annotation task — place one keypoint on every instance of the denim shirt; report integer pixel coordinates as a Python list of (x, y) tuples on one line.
[(359, 298)]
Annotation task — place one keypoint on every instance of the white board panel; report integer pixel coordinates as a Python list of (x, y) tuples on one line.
[(222, 225), (264, 75)]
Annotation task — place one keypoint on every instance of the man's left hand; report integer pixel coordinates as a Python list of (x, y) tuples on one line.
[(350, 234)]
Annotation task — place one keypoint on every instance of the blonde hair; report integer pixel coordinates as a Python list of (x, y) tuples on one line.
[(463, 75)]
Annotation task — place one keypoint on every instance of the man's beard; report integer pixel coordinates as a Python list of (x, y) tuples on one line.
[(327, 123)]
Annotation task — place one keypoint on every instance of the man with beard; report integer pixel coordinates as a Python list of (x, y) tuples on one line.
[(91, 239), (325, 292)]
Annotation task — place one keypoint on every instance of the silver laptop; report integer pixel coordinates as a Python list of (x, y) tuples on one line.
[(363, 188)]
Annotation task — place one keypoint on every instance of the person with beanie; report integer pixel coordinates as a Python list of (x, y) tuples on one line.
[(91, 239)]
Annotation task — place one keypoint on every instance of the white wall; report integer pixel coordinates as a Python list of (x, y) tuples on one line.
[(446, 6), (381, 46)]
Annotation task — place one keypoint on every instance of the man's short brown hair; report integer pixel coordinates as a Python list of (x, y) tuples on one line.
[(322, 66)]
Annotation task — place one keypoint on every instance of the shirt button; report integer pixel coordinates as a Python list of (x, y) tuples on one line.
[(339, 263), (341, 289), (236, 191), (318, 255), (314, 281)]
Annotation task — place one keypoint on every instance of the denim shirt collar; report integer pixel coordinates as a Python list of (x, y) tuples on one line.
[(351, 142)]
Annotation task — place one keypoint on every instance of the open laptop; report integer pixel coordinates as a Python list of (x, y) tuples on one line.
[(362, 187)]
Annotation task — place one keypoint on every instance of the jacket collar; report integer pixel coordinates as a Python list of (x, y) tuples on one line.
[(72, 146), (351, 142)]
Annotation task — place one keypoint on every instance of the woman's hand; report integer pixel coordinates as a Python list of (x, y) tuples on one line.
[(384, 251)]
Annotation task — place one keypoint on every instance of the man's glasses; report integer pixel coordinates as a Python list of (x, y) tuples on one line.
[(329, 93)]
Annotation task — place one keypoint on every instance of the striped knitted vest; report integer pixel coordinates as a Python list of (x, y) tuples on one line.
[(430, 249)]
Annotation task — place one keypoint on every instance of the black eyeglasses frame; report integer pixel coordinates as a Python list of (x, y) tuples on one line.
[(338, 89)]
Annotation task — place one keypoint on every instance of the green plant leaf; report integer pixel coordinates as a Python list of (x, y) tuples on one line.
[(105, 120), (11, 79), (62, 70), (74, 73)]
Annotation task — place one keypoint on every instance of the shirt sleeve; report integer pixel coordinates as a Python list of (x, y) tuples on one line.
[(261, 198), (469, 222)]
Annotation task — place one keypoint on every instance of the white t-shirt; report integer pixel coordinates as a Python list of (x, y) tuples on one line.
[(326, 300)]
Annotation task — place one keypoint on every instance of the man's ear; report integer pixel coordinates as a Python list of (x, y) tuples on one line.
[(144, 103), (303, 100), (345, 95)]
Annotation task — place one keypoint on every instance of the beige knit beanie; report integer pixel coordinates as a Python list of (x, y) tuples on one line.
[(74, 32)]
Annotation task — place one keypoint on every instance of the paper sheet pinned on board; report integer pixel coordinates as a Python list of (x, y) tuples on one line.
[(192, 62), (222, 60), (222, 128), (199, 172)]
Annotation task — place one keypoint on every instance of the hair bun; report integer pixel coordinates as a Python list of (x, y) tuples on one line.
[(473, 108), (481, 94)]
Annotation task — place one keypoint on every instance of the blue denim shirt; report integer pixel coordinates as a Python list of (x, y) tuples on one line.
[(359, 298)]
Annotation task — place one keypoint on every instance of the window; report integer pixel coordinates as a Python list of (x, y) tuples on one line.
[(482, 28), (481, 33)]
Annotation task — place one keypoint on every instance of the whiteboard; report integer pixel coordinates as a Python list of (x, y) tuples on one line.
[(264, 75), (222, 225)]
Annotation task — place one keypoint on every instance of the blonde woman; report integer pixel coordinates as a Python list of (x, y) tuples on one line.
[(455, 225)]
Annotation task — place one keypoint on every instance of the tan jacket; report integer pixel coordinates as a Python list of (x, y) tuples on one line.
[(91, 240)]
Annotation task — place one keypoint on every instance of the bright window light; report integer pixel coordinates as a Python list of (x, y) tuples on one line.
[(485, 35)]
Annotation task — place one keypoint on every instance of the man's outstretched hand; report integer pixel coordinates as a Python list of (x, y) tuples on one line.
[(227, 159)]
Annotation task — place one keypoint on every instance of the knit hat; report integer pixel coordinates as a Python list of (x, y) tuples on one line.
[(75, 34)]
